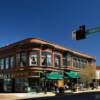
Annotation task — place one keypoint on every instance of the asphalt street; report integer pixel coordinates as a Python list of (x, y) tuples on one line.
[(78, 96)]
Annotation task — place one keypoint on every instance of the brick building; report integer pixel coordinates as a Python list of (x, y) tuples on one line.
[(30, 64)]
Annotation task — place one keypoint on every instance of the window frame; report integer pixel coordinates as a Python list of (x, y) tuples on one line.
[(59, 60), (11, 62), (7, 63), (36, 54), (64, 60), (44, 55), (2, 64)]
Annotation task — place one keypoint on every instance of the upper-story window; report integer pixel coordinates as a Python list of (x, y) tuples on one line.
[(21, 59), (74, 62), (78, 63), (46, 59), (81, 63), (57, 60), (11, 61), (84, 62), (1, 63), (34, 58), (18, 59), (7, 62), (64, 60), (69, 60)]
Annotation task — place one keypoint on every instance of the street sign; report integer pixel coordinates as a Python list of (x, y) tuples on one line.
[(93, 30)]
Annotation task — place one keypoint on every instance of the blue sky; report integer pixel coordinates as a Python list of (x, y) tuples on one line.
[(51, 20)]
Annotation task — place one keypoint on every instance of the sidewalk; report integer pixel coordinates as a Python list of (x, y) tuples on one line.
[(16, 96), (88, 90)]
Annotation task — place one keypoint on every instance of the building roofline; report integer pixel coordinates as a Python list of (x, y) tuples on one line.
[(70, 50), (38, 40)]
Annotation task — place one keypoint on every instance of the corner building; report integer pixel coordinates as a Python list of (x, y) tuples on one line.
[(32, 64)]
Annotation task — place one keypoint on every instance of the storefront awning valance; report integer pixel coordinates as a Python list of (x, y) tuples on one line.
[(54, 75), (72, 74)]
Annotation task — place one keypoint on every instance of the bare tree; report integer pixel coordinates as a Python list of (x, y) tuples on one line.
[(87, 73)]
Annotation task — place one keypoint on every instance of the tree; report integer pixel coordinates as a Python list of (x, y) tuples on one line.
[(87, 74)]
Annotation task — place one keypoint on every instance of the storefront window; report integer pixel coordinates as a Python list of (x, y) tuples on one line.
[(7, 63), (33, 58), (57, 61), (21, 84), (1, 63), (34, 84)]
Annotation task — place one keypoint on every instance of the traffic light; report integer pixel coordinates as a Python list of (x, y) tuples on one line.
[(80, 34)]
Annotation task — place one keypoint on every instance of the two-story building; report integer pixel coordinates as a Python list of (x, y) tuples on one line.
[(98, 75), (34, 63)]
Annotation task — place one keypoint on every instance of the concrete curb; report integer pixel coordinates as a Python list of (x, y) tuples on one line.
[(16, 96)]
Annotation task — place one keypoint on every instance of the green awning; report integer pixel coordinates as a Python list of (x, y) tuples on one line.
[(72, 74), (54, 75)]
